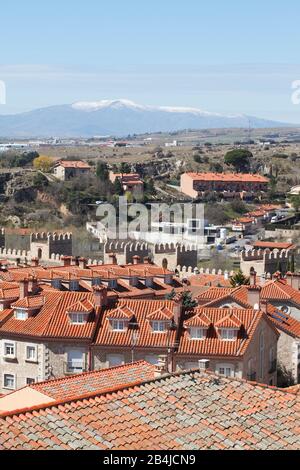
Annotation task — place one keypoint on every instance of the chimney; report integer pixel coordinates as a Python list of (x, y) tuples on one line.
[(100, 296), (161, 368), (147, 260), (293, 280), (254, 296), (203, 365), (264, 306), (33, 285), (252, 277), (82, 263), (75, 261), (66, 260), (23, 285), (136, 259), (35, 262), (178, 308), (112, 258)]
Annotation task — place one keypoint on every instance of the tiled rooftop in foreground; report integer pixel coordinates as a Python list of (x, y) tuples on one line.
[(189, 410)]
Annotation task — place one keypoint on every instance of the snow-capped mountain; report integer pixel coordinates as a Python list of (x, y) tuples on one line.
[(118, 118)]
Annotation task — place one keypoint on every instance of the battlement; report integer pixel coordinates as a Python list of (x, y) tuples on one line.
[(266, 255), (165, 248), (122, 247), (47, 237), (184, 272)]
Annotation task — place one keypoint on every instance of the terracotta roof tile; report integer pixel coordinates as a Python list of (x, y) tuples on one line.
[(213, 345), (229, 177), (184, 411)]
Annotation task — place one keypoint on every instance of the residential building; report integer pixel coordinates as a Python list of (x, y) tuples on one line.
[(229, 185), (130, 182), (280, 301), (67, 169), (237, 342)]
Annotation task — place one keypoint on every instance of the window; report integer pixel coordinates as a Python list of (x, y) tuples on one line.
[(10, 349), (228, 334), (118, 325), (75, 363), (9, 381), (29, 381), (77, 318), (198, 333), (31, 353), (152, 359), (159, 326), (227, 371), (21, 314), (115, 360), (285, 309)]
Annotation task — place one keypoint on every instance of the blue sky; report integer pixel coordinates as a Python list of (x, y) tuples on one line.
[(220, 56)]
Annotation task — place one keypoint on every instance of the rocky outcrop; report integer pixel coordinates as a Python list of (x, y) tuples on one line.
[(21, 187)]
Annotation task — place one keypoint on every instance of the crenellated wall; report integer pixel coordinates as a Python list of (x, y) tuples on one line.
[(265, 261)]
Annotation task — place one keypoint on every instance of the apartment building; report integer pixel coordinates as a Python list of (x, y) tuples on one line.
[(227, 184)]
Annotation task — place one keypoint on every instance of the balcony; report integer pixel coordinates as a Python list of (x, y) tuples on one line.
[(273, 366), (251, 376), (75, 367)]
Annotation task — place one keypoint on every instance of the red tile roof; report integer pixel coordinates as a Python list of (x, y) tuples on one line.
[(96, 382), (35, 301), (274, 245), (271, 291), (52, 320), (213, 345), (228, 177), (146, 337), (73, 164), (184, 411)]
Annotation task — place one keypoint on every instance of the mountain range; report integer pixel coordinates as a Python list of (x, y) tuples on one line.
[(119, 118)]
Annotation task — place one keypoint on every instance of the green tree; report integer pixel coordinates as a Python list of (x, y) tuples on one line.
[(125, 168), (295, 201), (239, 279), (118, 188), (216, 167), (240, 159), (102, 171), (187, 300)]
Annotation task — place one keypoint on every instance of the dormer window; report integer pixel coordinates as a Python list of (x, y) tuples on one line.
[(113, 284), (159, 326), (228, 334), (78, 318), (79, 312), (119, 325), (198, 333), (21, 314)]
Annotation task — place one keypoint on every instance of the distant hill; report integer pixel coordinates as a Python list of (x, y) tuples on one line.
[(119, 118)]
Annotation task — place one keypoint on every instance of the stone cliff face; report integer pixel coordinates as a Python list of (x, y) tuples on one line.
[(18, 185)]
